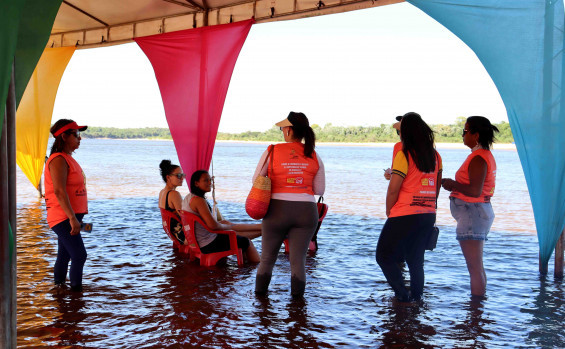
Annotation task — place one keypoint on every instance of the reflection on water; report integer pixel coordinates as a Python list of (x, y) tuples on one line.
[(546, 323), (140, 293), (475, 330)]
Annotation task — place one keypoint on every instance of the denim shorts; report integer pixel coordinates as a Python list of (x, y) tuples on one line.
[(474, 219)]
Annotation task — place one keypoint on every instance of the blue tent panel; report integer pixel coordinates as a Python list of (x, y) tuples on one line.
[(520, 43)]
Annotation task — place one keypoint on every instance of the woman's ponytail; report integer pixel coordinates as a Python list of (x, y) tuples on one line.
[(309, 141), (302, 130)]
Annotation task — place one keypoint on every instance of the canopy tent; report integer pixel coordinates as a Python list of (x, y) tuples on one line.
[(88, 23), (520, 43)]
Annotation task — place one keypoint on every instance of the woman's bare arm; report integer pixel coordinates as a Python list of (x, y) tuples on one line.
[(477, 175), (200, 206)]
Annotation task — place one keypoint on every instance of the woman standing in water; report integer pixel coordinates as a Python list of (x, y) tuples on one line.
[(297, 174), (470, 197), (66, 201), (410, 207)]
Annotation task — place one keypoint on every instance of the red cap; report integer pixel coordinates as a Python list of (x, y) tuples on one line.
[(72, 126)]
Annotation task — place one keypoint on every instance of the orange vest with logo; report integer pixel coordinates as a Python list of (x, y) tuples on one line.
[(462, 176), (418, 190), (292, 171), (76, 190)]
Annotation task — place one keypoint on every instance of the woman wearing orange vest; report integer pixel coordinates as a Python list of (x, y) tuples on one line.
[(470, 197), (410, 207), (66, 201), (297, 174)]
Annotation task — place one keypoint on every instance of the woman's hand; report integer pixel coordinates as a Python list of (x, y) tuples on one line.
[(75, 226), (227, 225), (448, 184), (387, 174)]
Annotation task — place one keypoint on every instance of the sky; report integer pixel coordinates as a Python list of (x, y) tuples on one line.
[(360, 68)]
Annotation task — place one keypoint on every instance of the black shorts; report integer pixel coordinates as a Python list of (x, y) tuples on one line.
[(222, 243)]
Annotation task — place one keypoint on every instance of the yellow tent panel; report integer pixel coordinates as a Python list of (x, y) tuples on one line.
[(33, 118)]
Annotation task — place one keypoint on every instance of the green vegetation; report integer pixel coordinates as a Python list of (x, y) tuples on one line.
[(127, 133), (328, 133)]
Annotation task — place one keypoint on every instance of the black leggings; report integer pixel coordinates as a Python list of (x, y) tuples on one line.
[(70, 248), (405, 237), (296, 220)]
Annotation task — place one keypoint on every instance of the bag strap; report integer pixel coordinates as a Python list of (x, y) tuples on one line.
[(269, 155), (437, 183)]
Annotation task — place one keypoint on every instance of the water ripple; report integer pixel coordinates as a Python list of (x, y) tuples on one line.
[(139, 293)]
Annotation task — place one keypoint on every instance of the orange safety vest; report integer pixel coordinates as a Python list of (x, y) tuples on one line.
[(417, 192), (462, 176), (76, 190), (291, 171)]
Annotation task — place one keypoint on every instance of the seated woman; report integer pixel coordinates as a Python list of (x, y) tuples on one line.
[(169, 198), (200, 184)]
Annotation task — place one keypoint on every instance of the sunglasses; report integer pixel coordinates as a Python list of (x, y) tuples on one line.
[(179, 175), (75, 133), (464, 133)]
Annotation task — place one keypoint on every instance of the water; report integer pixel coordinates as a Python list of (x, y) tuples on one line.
[(139, 293)]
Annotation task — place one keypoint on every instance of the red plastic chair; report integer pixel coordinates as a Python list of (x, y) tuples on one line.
[(322, 211), (208, 259), (167, 216)]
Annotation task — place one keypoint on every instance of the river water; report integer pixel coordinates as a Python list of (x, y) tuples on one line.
[(139, 293)]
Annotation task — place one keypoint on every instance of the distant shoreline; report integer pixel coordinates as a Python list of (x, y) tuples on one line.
[(496, 146)]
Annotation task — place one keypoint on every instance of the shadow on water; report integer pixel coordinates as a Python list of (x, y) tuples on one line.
[(286, 329), (72, 309), (140, 293), (548, 314), (475, 331)]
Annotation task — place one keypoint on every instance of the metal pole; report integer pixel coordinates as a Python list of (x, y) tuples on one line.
[(7, 219), (547, 91), (558, 272), (11, 140), (542, 266)]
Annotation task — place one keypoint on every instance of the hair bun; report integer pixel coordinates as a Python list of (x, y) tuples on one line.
[(165, 164)]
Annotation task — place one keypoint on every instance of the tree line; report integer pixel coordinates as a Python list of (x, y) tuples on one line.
[(328, 133)]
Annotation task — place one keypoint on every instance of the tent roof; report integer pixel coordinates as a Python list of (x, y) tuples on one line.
[(92, 23)]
